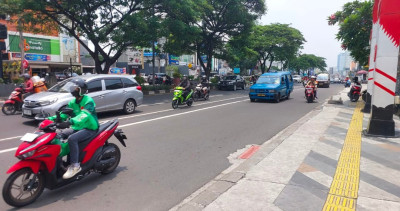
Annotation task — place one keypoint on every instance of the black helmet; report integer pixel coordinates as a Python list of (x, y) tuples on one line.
[(78, 83), (355, 79)]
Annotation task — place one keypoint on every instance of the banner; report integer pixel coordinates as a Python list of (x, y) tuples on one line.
[(37, 57), (35, 45), (118, 71), (173, 59)]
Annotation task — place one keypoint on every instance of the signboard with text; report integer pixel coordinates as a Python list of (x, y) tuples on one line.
[(35, 45), (173, 59), (37, 57)]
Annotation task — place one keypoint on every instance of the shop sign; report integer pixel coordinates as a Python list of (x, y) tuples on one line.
[(173, 59), (236, 70), (118, 71), (35, 45), (37, 57)]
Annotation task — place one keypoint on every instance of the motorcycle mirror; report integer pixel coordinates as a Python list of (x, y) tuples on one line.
[(67, 111)]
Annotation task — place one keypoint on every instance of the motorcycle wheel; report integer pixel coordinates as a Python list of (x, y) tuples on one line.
[(207, 96), (196, 96), (190, 102), (175, 104), (117, 158), (9, 109), (309, 99), (13, 193), (356, 97)]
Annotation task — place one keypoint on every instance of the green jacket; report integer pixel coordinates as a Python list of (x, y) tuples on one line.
[(84, 116)]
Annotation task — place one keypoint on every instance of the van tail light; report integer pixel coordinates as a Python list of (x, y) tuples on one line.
[(139, 88)]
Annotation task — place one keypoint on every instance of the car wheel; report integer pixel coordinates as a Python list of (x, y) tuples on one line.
[(234, 87), (252, 100), (129, 106), (244, 86), (288, 96), (278, 98)]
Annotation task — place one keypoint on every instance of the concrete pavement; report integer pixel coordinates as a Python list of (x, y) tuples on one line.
[(320, 162)]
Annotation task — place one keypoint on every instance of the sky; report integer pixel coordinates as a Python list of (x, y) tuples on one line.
[(309, 16)]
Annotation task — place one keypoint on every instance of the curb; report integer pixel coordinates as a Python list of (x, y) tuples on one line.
[(233, 174)]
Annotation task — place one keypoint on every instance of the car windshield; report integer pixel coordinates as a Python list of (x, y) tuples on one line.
[(229, 77), (62, 87), (322, 77), (268, 80)]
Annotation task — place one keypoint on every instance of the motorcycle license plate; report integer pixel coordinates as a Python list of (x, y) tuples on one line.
[(27, 112), (261, 95), (29, 137)]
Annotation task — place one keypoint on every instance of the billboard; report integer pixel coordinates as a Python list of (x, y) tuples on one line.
[(35, 45), (118, 71)]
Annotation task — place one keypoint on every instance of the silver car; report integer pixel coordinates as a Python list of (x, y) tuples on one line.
[(110, 92)]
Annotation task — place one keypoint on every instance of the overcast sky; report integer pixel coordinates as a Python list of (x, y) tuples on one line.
[(309, 16)]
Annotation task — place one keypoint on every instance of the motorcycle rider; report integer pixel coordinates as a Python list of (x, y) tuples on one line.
[(84, 123), (204, 84), (313, 84), (28, 84), (186, 85), (356, 84)]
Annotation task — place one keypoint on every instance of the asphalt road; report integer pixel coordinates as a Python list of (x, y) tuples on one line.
[(170, 153)]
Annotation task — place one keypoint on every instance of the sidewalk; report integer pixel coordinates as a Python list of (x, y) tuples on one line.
[(321, 162)]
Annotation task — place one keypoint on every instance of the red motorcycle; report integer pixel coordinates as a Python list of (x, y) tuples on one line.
[(44, 157), (309, 94), (354, 92), (14, 102)]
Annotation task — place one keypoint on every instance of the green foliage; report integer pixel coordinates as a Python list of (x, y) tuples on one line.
[(214, 80), (191, 77), (211, 22), (306, 62), (171, 69), (110, 29), (140, 80), (176, 74), (355, 23), (1, 81), (18, 80), (275, 42)]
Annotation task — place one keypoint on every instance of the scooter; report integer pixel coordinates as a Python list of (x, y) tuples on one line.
[(309, 94), (200, 93), (44, 156), (354, 93), (14, 102), (178, 98), (347, 83)]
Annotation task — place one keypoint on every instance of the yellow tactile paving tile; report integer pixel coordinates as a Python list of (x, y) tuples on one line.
[(344, 188)]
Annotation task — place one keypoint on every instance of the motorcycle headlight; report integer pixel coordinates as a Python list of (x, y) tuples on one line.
[(271, 91), (27, 155), (48, 102)]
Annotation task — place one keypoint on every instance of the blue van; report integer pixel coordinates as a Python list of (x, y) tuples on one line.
[(272, 86)]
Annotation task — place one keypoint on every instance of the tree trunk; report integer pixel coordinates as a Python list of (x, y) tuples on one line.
[(270, 63)]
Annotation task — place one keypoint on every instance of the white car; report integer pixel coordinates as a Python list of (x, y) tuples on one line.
[(297, 78)]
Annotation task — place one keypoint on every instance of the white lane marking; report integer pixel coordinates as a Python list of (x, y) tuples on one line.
[(8, 150), (145, 105), (179, 114), (156, 112), (5, 139), (133, 116)]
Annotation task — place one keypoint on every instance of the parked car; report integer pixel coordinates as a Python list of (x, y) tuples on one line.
[(231, 82), (110, 92), (272, 86), (160, 78), (297, 78), (323, 80)]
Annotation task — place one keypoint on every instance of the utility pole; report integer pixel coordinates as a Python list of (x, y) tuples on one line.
[(21, 45)]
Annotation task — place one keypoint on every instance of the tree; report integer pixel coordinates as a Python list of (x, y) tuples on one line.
[(111, 26), (275, 42), (238, 54), (210, 27), (355, 23), (306, 62)]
